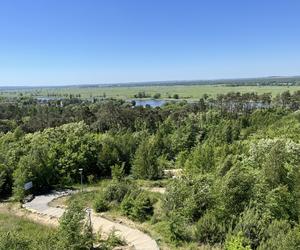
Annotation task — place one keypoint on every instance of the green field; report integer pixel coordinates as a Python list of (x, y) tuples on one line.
[(184, 91), (10, 222), (20, 233)]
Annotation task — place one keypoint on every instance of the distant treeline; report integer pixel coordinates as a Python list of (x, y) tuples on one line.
[(101, 115), (260, 81)]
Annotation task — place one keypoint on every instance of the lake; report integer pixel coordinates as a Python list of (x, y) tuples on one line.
[(152, 103)]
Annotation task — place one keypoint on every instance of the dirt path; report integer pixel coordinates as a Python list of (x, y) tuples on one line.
[(17, 211), (135, 238)]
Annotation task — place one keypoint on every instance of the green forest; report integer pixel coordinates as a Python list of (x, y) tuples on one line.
[(238, 155)]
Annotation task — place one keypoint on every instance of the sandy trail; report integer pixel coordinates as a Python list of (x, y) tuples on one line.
[(135, 238)]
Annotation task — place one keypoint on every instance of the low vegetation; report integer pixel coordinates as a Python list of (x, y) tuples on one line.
[(20, 234), (164, 90), (74, 232)]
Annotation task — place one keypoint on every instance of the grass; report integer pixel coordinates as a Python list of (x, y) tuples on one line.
[(20, 233), (9, 222), (184, 91)]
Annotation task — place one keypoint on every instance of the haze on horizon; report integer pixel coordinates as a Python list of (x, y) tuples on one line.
[(93, 42)]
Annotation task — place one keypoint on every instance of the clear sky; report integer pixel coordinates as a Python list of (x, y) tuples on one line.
[(46, 42)]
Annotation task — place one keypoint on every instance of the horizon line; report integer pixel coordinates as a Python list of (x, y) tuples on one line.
[(51, 85)]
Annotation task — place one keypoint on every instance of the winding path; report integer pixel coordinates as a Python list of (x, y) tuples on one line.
[(135, 238)]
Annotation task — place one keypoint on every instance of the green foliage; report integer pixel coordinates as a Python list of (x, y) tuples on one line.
[(145, 165), (14, 241), (21, 176), (116, 191), (5, 181), (74, 231), (118, 172), (190, 197), (100, 204), (280, 235), (156, 95), (201, 160), (137, 205), (91, 179), (20, 234), (237, 189), (252, 224), (176, 96), (281, 203), (236, 242), (177, 228), (240, 159), (113, 240), (210, 230)]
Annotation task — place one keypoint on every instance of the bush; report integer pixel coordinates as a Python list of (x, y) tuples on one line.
[(113, 240), (177, 227), (127, 204), (156, 95), (238, 186), (137, 205), (143, 207), (5, 181), (280, 235), (209, 230), (116, 191), (91, 179), (100, 204), (189, 196), (74, 232), (252, 223), (145, 162), (236, 242), (118, 171)]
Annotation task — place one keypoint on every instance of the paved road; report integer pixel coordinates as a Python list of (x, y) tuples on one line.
[(135, 238)]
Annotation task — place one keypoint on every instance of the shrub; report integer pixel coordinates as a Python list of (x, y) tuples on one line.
[(143, 207), (137, 205), (113, 240), (236, 242), (127, 204), (280, 235), (209, 230), (145, 162), (116, 191), (189, 196), (156, 95), (100, 204), (91, 179), (177, 227), (73, 232), (5, 181), (252, 223), (238, 186), (118, 171)]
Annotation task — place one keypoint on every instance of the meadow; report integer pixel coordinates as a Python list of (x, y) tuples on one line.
[(13, 223), (18, 233), (128, 92)]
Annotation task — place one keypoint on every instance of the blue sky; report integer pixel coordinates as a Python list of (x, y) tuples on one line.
[(44, 42)]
